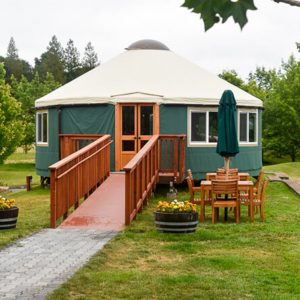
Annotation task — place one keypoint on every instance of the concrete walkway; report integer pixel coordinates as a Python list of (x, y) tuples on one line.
[(35, 266)]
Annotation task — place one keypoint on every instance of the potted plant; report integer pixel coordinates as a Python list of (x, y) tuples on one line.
[(8, 213), (176, 217)]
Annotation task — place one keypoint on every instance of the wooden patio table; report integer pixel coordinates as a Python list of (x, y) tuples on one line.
[(243, 185), (242, 176)]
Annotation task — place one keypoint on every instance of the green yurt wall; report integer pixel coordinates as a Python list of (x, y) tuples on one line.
[(173, 120), (75, 120)]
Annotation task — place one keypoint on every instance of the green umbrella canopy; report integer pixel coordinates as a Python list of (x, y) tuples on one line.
[(227, 133)]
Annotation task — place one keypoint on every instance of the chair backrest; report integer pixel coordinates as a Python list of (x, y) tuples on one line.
[(190, 182), (259, 182), (230, 171), (227, 176), (225, 187), (263, 190), (190, 174)]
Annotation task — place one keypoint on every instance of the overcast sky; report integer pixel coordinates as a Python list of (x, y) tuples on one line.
[(112, 25)]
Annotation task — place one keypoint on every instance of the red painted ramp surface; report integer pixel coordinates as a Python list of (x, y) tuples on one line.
[(104, 209)]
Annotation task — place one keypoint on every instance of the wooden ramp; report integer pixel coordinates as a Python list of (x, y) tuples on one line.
[(104, 209)]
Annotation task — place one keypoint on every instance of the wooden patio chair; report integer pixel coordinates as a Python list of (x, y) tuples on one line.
[(257, 185), (258, 200), (229, 191), (256, 189), (194, 190)]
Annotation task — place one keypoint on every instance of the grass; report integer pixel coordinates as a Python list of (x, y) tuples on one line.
[(15, 174), (20, 157), (222, 261), (34, 215), (34, 206), (292, 169), (15, 169)]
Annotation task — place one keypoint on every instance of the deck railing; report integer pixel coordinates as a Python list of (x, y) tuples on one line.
[(77, 176), (163, 154), (70, 143), (172, 156)]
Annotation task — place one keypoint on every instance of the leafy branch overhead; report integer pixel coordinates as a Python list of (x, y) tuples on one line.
[(214, 11)]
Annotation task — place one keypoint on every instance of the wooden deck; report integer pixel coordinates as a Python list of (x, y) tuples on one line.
[(103, 209), (111, 201)]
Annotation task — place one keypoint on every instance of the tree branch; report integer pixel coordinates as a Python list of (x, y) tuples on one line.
[(290, 2)]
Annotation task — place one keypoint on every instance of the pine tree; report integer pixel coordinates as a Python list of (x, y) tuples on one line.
[(90, 58), (72, 61), (14, 65), (56, 48), (12, 51), (52, 61)]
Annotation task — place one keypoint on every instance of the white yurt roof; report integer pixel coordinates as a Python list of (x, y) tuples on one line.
[(147, 72)]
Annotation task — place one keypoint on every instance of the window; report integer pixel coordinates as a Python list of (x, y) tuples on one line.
[(248, 127), (202, 126), (42, 127)]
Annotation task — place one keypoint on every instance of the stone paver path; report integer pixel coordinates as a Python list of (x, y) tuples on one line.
[(292, 184), (35, 266)]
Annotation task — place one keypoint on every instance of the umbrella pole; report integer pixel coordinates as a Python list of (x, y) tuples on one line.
[(226, 167)]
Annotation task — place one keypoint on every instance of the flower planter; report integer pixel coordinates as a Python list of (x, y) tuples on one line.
[(8, 218), (176, 222)]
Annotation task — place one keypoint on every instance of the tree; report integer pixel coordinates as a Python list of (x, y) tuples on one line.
[(14, 65), (232, 77), (264, 78), (214, 11), (72, 61), (12, 51), (26, 92), (10, 125), (282, 110), (90, 58), (52, 61)]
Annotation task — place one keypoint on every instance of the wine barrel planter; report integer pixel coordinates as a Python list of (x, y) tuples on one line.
[(176, 222), (8, 218)]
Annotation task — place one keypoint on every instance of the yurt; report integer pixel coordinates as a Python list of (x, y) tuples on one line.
[(146, 90)]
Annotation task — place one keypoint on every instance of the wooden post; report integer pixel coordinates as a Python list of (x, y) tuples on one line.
[(53, 198), (127, 198), (28, 183)]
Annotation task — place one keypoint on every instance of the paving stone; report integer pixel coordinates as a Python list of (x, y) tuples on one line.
[(292, 184), (45, 260)]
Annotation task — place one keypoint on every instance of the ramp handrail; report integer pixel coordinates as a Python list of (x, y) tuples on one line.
[(172, 155), (77, 176), (142, 172), (70, 143), (141, 177)]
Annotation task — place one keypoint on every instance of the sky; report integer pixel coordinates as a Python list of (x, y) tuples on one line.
[(111, 26)]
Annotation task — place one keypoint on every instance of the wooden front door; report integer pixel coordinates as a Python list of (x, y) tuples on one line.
[(135, 123)]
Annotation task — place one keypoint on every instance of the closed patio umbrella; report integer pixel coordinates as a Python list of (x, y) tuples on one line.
[(227, 145)]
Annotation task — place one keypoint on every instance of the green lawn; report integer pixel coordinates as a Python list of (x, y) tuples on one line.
[(34, 206), (14, 174), (34, 214), (20, 157), (222, 261), (15, 169), (292, 169)]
